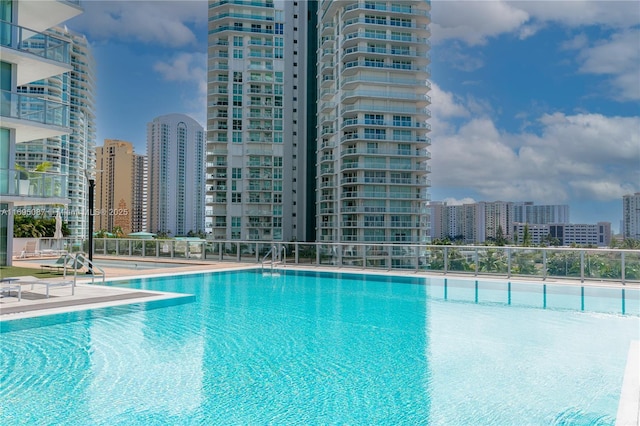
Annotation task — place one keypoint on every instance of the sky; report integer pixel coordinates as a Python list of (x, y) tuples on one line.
[(531, 100)]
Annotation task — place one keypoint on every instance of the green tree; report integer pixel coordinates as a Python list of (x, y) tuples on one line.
[(526, 236), (500, 240), (117, 232), (492, 261)]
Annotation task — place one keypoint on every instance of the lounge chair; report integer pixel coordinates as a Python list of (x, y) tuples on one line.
[(60, 263), (7, 286), (48, 284), (30, 249)]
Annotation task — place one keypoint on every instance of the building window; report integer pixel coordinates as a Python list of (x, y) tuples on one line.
[(236, 197)]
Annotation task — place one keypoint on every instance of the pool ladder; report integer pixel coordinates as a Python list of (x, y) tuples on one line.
[(82, 261), (276, 259)]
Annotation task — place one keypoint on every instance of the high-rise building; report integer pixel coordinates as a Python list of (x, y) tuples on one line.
[(70, 154), (257, 120), (478, 222), (582, 234), (631, 216), (120, 187), (527, 212), (140, 187), (372, 121), (175, 155), (360, 75), (29, 54)]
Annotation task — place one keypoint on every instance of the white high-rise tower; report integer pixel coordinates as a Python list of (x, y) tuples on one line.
[(373, 59), (175, 155)]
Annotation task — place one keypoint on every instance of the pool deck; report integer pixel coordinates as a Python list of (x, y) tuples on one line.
[(91, 296)]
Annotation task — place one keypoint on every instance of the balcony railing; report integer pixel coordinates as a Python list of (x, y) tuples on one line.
[(33, 108), (32, 184), (34, 42)]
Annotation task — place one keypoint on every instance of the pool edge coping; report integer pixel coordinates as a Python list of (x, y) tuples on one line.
[(629, 405)]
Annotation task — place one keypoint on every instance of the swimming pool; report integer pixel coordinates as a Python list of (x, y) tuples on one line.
[(311, 347)]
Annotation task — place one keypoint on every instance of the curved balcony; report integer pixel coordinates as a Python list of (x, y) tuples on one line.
[(404, 52), (352, 66), (417, 153), (33, 188), (349, 38), (351, 122), (361, 106), (384, 138), (417, 98), (241, 3), (39, 55), (33, 117)]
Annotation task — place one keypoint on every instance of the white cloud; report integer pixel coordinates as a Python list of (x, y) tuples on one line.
[(619, 57), (184, 67), (445, 104), (458, 202), (474, 21), (580, 156), (576, 13), (153, 22), (188, 68)]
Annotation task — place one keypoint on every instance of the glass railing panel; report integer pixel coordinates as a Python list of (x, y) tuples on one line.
[(632, 265), (32, 184), (563, 264), (150, 248), (33, 108), (137, 248), (34, 42), (434, 257), (527, 262), (306, 254), (124, 247), (460, 259), (491, 260), (605, 265), (99, 246), (109, 246)]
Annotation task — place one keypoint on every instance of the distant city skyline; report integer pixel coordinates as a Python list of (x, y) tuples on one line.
[(529, 102)]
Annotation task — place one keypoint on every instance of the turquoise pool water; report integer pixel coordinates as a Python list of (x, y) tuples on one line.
[(318, 348)]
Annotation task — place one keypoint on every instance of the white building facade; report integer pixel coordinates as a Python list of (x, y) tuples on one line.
[(31, 116), (256, 172), (527, 212), (631, 216), (175, 155), (372, 145), (70, 154)]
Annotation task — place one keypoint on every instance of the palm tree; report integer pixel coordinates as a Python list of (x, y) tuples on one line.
[(492, 261)]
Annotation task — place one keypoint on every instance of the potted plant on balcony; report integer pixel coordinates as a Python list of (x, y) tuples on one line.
[(34, 178), (22, 177)]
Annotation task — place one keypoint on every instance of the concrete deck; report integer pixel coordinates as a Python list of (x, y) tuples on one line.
[(90, 296)]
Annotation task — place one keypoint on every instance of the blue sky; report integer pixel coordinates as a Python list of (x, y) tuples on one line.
[(531, 101)]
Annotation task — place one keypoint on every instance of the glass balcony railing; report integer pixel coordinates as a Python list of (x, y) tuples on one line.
[(34, 42), (32, 184), (33, 108)]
